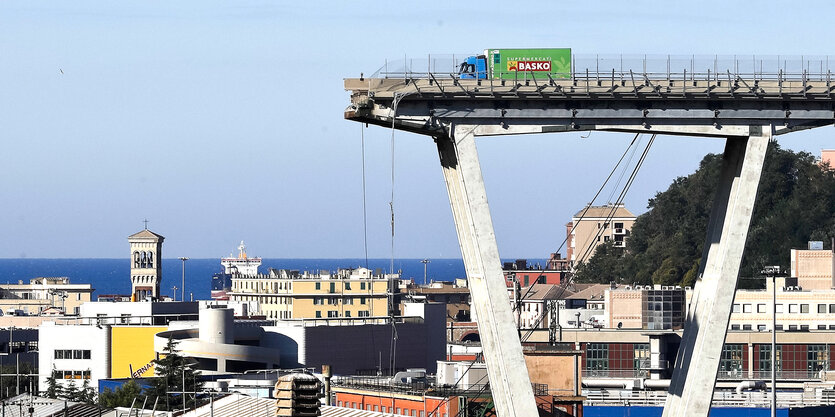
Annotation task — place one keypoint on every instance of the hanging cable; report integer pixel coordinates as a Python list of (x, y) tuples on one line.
[(623, 170), (364, 209), (586, 209), (563, 286)]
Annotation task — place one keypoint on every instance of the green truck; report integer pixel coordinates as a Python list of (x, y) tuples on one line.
[(517, 64)]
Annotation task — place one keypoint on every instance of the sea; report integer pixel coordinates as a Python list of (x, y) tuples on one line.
[(112, 276)]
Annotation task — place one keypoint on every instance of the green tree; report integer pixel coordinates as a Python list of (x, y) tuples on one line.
[(122, 397), (795, 203), (71, 392), (172, 370), (86, 394), (52, 388)]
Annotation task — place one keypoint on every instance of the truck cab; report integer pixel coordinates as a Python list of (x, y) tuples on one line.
[(473, 68)]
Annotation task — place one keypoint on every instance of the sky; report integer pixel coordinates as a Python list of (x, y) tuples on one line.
[(223, 121)]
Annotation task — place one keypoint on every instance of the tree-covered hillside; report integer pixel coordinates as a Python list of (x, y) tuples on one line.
[(795, 204)]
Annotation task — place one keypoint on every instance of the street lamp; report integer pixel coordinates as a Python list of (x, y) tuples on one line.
[(183, 288), (424, 262), (773, 272)]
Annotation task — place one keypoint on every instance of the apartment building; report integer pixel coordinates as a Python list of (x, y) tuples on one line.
[(291, 294), (43, 293), (595, 225)]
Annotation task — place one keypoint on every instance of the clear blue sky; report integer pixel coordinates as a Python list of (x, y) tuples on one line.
[(222, 121)]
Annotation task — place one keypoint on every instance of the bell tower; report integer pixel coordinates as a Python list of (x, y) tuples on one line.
[(145, 264)]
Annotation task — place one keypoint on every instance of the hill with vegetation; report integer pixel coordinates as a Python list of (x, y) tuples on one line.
[(795, 204)]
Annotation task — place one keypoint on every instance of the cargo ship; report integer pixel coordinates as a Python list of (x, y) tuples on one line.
[(242, 264)]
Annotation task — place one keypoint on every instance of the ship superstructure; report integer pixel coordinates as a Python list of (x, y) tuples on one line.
[(232, 265)]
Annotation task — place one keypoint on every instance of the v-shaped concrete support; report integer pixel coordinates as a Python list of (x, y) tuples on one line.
[(509, 380), (694, 375)]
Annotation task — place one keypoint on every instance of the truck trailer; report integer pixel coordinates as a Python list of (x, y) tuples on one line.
[(517, 64)]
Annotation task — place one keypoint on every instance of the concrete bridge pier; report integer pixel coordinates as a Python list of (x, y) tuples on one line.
[(694, 374), (509, 380)]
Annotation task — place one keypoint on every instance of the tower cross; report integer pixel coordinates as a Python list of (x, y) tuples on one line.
[(146, 223)]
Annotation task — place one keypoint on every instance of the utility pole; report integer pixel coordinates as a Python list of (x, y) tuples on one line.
[(183, 288)]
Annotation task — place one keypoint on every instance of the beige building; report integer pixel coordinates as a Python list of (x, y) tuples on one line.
[(596, 225), (146, 264), (646, 307), (813, 269), (288, 294), (42, 293), (797, 309)]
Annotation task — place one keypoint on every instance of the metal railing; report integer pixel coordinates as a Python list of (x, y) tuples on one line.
[(603, 67), (615, 373), (720, 398), (379, 384)]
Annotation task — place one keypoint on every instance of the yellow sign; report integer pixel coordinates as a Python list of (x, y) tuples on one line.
[(132, 350)]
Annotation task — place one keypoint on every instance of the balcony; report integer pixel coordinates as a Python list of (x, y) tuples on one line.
[(620, 231), (619, 244)]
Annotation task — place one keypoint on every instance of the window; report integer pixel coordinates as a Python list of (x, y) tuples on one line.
[(746, 327), (362, 300), (641, 356), (33, 346), (765, 357), (347, 286), (821, 327), (362, 285), (347, 314), (332, 301), (597, 356), (318, 285), (333, 314), (778, 327), (778, 308), (761, 327), (363, 314), (318, 314), (792, 327), (816, 358), (332, 287), (734, 327), (793, 308), (746, 308), (17, 346), (348, 301), (804, 327), (736, 308), (760, 308), (804, 308), (730, 363), (832, 309), (821, 308)]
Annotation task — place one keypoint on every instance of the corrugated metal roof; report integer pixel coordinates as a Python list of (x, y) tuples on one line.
[(242, 405)]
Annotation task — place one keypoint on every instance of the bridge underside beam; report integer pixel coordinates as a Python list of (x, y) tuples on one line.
[(694, 374), (511, 387)]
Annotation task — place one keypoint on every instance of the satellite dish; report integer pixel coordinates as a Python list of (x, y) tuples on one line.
[(620, 324)]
